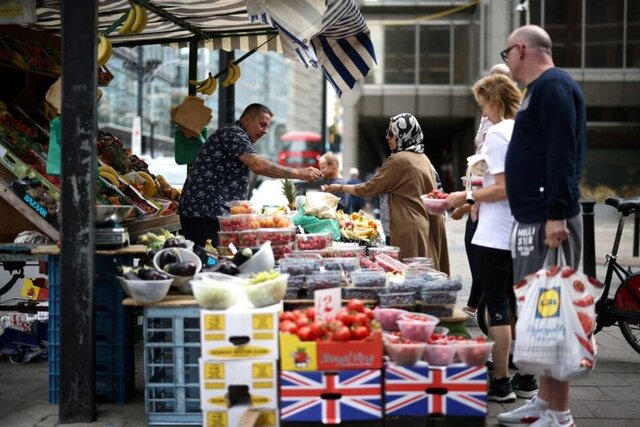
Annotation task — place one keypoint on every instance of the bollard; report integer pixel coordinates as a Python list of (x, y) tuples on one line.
[(588, 238)]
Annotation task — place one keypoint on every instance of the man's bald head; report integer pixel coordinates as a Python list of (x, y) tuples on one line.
[(532, 36)]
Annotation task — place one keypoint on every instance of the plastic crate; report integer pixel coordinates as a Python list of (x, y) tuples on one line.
[(115, 365), (171, 370)]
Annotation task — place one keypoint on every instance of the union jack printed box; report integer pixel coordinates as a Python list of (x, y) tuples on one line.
[(331, 397), (422, 390)]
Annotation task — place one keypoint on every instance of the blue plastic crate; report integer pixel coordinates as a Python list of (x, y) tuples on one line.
[(115, 367), (171, 370)]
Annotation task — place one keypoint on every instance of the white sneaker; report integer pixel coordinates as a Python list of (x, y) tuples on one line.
[(548, 419), (525, 415)]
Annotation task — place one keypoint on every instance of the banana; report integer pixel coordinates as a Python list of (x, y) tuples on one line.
[(109, 170), (212, 85), (236, 69), (206, 86), (128, 23), (149, 188), (198, 83), (230, 76), (141, 18), (112, 179), (104, 50)]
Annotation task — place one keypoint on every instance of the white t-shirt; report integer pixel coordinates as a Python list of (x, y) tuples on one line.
[(495, 219)]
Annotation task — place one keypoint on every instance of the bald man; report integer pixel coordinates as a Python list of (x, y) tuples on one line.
[(543, 167)]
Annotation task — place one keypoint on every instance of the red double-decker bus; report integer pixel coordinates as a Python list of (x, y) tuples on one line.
[(300, 149)]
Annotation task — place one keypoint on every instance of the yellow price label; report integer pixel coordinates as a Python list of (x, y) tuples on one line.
[(262, 370), (214, 371), (214, 322), (262, 321), (217, 419)]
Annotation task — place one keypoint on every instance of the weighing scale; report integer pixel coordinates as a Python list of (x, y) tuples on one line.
[(110, 234)]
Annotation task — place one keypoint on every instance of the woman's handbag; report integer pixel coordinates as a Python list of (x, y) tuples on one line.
[(556, 319)]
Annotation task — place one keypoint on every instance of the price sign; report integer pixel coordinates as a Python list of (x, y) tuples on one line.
[(327, 303)]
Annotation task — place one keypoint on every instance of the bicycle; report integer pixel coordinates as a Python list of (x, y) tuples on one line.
[(624, 307)]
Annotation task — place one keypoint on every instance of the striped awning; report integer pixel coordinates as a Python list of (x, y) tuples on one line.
[(330, 34), (218, 24)]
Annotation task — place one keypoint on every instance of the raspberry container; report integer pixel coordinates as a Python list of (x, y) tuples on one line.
[(390, 264), (343, 251), (248, 238), (313, 241), (279, 251), (439, 354), (392, 251), (388, 317), (416, 331), (238, 222), (277, 236), (226, 237), (473, 353)]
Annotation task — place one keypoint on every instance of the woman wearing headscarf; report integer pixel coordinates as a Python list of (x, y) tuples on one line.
[(402, 178)]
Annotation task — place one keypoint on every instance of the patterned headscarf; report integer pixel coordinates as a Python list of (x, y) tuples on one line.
[(408, 133)]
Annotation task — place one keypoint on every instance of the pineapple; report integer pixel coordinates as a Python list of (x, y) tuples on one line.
[(290, 192)]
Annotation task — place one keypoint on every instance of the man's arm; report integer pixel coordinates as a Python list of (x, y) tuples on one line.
[(261, 166)]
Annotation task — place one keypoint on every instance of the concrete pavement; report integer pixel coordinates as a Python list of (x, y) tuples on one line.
[(610, 395)]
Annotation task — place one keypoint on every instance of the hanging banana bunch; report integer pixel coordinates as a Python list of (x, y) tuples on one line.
[(206, 86), (136, 21), (104, 50), (233, 74)]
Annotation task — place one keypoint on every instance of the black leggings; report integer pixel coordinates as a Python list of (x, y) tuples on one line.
[(496, 274), (476, 285)]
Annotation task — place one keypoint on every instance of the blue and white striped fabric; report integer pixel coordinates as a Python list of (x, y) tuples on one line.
[(330, 34)]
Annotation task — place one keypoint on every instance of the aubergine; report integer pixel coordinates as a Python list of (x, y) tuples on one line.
[(168, 257), (152, 274), (175, 242), (183, 268), (131, 276), (242, 256), (224, 267)]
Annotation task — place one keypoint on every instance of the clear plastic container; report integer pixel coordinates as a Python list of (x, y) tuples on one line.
[(146, 291), (406, 354), (396, 298), (328, 279), (297, 282), (274, 220), (341, 264), (390, 264), (304, 254), (279, 251), (434, 206), (439, 354), (313, 241), (268, 292), (343, 251), (238, 222), (227, 237), (388, 317), (392, 251), (216, 291), (438, 297), (241, 207), (277, 236), (418, 262), (298, 266), (473, 353), (360, 293), (369, 278), (248, 238), (416, 331)]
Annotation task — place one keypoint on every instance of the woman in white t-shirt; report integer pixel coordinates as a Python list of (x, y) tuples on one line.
[(499, 98)]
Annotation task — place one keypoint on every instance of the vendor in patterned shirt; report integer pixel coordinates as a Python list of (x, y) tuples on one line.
[(220, 173)]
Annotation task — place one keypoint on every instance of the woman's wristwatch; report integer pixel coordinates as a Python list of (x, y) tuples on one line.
[(470, 199)]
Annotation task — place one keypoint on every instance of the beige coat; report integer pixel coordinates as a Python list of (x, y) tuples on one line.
[(405, 176)]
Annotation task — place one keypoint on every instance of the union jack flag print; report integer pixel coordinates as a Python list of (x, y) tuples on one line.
[(313, 396), (422, 390)]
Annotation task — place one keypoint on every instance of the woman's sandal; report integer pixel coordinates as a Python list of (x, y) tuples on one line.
[(471, 312)]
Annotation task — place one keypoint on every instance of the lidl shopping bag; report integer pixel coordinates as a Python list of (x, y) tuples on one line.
[(556, 319)]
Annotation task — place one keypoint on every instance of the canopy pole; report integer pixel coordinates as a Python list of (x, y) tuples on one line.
[(226, 95), (77, 377)]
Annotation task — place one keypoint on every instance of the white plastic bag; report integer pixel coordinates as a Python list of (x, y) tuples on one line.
[(556, 319), (321, 204)]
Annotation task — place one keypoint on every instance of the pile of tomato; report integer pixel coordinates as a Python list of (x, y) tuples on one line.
[(353, 322)]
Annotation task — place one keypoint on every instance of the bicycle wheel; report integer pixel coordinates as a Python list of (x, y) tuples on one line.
[(631, 332)]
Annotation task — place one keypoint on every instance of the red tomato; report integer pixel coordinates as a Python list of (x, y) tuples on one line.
[(584, 302), (342, 334), (346, 318), (305, 334), (578, 286), (302, 321), (355, 305), (288, 326), (287, 315), (297, 312), (311, 313), (317, 329), (586, 321), (359, 333), (361, 319), (368, 312)]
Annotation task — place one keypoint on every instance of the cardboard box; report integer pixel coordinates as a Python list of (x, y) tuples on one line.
[(238, 382), (240, 333), (331, 397), (241, 416), (329, 355), (422, 390)]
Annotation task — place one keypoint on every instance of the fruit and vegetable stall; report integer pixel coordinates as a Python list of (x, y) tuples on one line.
[(300, 327)]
